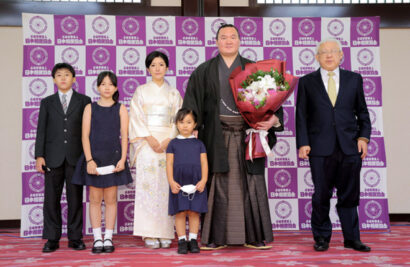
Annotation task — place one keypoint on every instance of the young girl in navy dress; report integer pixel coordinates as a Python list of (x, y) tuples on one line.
[(187, 164), (103, 122)]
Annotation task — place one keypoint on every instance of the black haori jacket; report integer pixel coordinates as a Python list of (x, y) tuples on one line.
[(203, 95)]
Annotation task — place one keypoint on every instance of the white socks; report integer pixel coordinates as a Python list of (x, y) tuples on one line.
[(108, 235), (192, 236), (97, 236)]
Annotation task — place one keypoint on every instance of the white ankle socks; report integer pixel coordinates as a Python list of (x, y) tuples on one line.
[(97, 236), (108, 235), (192, 236)]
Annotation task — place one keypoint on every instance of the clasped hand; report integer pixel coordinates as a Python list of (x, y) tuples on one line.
[(266, 125), (157, 146)]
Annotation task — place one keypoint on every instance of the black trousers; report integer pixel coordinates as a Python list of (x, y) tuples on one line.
[(343, 172), (54, 183)]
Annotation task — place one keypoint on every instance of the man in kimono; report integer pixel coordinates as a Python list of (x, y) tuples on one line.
[(238, 208)]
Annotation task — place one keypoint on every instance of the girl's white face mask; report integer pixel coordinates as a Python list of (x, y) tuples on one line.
[(189, 191)]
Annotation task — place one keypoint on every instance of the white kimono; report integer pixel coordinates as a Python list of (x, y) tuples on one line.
[(152, 112)]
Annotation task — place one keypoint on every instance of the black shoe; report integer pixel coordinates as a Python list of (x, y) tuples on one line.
[(50, 246), (193, 246), (183, 246), (321, 244), (99, 249), (76, 244), (109, 248), (356, 245)]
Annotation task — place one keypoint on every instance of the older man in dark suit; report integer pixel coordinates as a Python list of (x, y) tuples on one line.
[(58, 147), (332, 131)]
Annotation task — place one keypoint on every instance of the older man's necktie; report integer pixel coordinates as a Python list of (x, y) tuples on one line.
[(331, 88)]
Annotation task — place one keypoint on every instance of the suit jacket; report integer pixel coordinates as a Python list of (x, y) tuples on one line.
[(320, 125), (58, 134), (203, 96)]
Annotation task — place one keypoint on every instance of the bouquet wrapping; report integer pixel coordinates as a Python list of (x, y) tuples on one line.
[(259, 90)]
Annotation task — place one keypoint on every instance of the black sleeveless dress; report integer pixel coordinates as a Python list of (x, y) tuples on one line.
[(105, 148)]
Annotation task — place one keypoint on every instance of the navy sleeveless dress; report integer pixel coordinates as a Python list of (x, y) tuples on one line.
[(105, 148), (187, 170)]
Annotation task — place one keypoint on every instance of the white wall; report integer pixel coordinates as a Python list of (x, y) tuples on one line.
[(395, 57)]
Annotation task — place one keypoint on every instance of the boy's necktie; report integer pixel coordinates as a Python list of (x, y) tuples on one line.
[(331, 88), (64, 103)]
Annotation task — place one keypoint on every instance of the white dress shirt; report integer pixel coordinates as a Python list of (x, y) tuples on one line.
[(336, 77), (69, 93)]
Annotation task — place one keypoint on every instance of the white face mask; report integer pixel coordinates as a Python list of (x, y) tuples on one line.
[(189, 191)]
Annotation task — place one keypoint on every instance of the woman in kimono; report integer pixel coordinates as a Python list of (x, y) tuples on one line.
[(152, 111)]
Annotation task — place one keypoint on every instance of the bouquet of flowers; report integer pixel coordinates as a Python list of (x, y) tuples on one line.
[(259, 90)]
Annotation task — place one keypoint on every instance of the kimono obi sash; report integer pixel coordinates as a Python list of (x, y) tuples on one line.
[(158, 115)]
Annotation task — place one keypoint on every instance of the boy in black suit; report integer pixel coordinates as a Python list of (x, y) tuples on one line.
[(58, 147)]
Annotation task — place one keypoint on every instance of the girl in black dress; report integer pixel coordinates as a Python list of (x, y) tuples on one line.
[(103, 165), (187, 172)]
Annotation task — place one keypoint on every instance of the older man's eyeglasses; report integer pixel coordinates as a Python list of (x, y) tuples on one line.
[(329, 52)]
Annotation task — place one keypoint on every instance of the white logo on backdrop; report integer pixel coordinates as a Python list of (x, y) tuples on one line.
[(285, 117), (282, 147), (35, 215), (278, 54), (373, 209), (306, 27), (38, 87), (308, 209), (364, 27), (130, 26), (38, 24), (70, 55), (365, 57), (160, 26), (190, 27), (283, 209), (216, 24), (129, 86), (100, 25), (131, 56), (335, 27), (369, 86), (250, 54), (372, 115), (282, 178), (129, 211), (101, 56), (190, 56), (36, 183), (248, 27), (373, 148), (306, 57), (38, 56), (371, 178), (33, 119), (308, 178), (277, 27), (69, 25)]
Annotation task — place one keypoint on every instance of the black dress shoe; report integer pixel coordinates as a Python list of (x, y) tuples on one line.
[(182, 246), (321, 244), (99, 249), (50, 246), (109, 248), (193, 246), (356, 245), (76, 244)]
